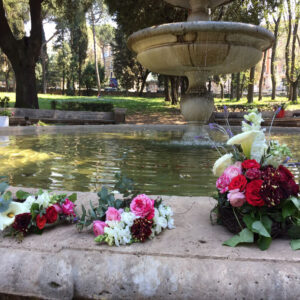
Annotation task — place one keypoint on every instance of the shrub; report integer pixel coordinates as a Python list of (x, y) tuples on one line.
[(87, 106), (4, 102)]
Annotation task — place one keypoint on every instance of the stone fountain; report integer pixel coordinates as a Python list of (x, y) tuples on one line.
[(198, 49)]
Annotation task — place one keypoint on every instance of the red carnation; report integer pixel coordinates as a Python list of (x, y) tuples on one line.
[(41, 221), (285, 179), (141, 229), (250, 164), (51, 214), (252, 194), (238, 182)]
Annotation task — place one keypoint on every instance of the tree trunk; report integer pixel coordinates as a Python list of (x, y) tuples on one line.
[(222, 90), (26, 93), (242, 85), (174, 90), (167, 89), (251, 85), (7, 80), (261, 79), (238, 86), (232, 87), (95, 52), (294, 89), (144, 78)]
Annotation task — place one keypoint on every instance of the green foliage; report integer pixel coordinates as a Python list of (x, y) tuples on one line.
[(245, 236), (22, 195), (107, 199), (295, 244), (87, 106), (4, 102), (88, 77)]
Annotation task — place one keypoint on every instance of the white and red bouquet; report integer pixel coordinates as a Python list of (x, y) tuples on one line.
[(258, 196)]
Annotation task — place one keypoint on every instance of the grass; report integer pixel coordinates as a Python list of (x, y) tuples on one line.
[(133, 104), (145, 105)]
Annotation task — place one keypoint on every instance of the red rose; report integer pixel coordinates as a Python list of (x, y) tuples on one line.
[(238, 182), (253, 196), (41, 221), (283, 174), (250, 164), (51, 214)]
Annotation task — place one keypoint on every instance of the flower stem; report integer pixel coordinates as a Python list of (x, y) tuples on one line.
[(237, 218)]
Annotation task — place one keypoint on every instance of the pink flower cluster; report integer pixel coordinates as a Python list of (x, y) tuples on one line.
[(235, 196), (142, 206), (67, 208)]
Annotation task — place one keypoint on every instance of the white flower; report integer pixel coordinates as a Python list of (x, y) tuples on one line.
[(29, 201), (165, 211), (43, 200), (128, 218), (159, 222), (117, 233), (7, 218), (258, 147), (222, 163), (255, 119), (171, 223)]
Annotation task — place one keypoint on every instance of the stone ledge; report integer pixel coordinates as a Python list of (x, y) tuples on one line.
[(186, 263)]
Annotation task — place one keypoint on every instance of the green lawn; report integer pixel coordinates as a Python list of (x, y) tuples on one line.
[(133, 104), (145, 105)]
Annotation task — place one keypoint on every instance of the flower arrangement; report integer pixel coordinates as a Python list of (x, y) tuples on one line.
[(133, 219), (258, 197), (31, 213), (6, 113)]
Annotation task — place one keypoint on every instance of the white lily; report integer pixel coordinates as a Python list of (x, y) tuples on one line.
[(7, 218), (246, 140), (222, 163)]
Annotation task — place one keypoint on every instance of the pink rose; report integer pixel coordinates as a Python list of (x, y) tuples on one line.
[(223, 183), (58, 208), (68, 208), (233, 170), (236, 198), (253, 174), (98, 227), (143, 207), (113, 214)]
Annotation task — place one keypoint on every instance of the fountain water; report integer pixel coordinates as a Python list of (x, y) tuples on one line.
[(198, 49)]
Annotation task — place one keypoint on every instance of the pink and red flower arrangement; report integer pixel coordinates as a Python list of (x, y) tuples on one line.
[(32, 213), (136, 218), (258, 197)]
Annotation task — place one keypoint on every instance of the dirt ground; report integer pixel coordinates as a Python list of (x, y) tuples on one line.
[(155, 118)]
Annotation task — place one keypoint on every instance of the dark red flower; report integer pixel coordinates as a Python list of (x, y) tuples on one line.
[(41, 221), (268, 172), (51, 214), (284, 174), (141, 229), (252, 193), (253, 174), (250, 164), (271, 193), (22, 222), (238, 182)]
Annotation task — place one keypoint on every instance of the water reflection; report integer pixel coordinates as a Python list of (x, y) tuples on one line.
[(157, 161)]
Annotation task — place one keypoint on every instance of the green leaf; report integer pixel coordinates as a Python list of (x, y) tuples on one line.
[(22, 195), (100, 238), (103, 193), (248, 220), (267, 222), (294, 232), (92, 212), (295, 244), (73, 197), (296, 202), (259, 228), (245, 236), (264, 242), (288, 209), (83, 213), (118, 204)]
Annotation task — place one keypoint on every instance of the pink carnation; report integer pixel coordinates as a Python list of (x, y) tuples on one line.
[(223, 183), (98, 227), (233, 170), (58, 208), (236, 198), (253, 174), (142, 206), (68, 208), (113, 214)]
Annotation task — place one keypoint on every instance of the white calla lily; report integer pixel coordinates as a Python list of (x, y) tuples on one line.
[(7, 218), (246, 140), (222, 163)]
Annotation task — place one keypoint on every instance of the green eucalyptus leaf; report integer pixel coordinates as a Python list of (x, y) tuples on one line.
[(259, 228), (103, 193), (22, 195), (264, 242), (245, 236), (295, 244), (118, 204)]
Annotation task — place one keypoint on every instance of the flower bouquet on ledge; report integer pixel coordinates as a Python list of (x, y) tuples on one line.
[(133, 219), (33, 213), (258, 197)]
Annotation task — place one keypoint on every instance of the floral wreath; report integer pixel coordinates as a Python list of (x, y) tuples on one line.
[(258, 197)]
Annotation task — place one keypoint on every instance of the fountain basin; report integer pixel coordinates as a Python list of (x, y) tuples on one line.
[(201, 47)]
